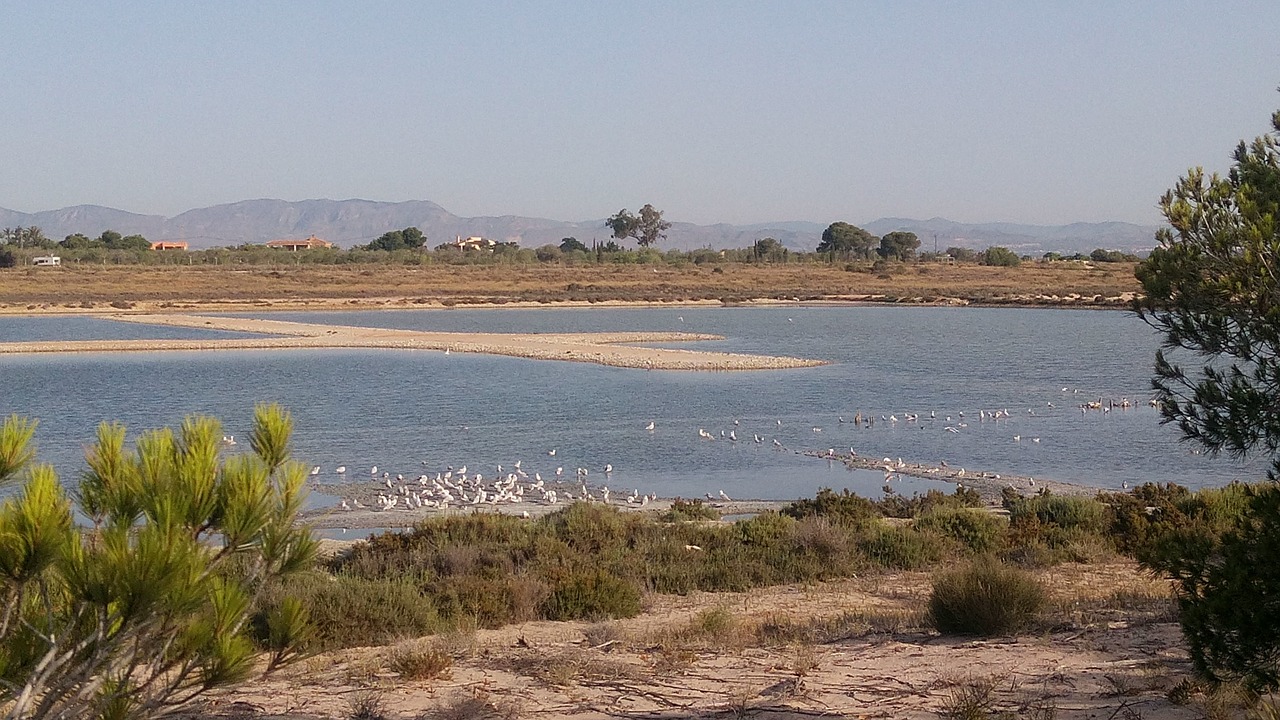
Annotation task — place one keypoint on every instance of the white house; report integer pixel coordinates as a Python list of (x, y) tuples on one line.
[(47, 260)]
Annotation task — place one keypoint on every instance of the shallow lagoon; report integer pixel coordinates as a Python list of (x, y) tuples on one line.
[(400, 409)]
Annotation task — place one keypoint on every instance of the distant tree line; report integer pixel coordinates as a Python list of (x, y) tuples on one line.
[(841, 242)]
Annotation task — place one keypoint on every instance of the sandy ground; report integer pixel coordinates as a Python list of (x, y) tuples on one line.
[(599, 348), (1107, 649)]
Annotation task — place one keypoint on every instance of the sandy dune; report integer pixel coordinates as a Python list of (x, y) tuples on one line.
[(1098, 657)]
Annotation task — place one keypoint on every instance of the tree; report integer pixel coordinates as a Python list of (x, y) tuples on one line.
[(768, 249), (899, 245), (963, 254), (1212, 291), (410, 238), (77, 241), (845, 240), (147, 604), (1211, 288), (7, 258), (646, 229), (134, 242), (1000, 257), (25, 237), (572, 244)]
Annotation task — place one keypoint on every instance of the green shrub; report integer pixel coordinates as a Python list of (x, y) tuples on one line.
[(900, 548), (687, 510), (843, 508), (984, 598), (1062, 511), (592, 595), (491, 602), (352, 612), (1154, 519), (898, 506), (978, 530)]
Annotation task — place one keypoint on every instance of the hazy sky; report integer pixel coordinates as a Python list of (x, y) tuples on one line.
[(741, 112)]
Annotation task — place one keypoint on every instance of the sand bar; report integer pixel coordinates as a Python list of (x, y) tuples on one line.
[(600, 348)]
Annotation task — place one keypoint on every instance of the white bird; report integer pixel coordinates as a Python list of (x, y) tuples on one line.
[(228, 439), (608, 468), (345, 506), (724, 497), (315, 470), (373, 470), (341, 470), (552, 453), (649, 426)]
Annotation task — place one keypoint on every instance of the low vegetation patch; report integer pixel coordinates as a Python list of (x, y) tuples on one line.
[(985, 597)]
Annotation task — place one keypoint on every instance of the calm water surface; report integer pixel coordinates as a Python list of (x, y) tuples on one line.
[(400, 409)]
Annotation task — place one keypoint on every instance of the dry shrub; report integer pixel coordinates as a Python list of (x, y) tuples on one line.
[(475, 707), (418, 660), (367, 706), (985, 598), (598, 634), (971, 700)]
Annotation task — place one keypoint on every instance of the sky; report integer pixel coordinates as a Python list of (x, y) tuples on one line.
[(738, 112)]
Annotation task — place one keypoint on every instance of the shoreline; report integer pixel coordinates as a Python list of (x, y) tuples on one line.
[(338, 304)]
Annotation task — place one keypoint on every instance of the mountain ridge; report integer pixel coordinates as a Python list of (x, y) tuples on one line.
[(355, 221)]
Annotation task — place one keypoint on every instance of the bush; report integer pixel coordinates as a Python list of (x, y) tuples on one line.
[(985, 598), (977, 530), (685, 510), (352, 612), (592, 595), (901, 548), (843, 508), (897, 506), (1061, 511)]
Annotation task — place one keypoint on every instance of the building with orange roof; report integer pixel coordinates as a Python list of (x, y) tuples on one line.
[(310, 243)]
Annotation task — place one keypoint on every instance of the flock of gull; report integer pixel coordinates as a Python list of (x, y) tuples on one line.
[(465, 487), (462, 487)]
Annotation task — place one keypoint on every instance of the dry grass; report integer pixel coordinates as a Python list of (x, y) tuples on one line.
[(420, 660), (151, 287), (570, 666)]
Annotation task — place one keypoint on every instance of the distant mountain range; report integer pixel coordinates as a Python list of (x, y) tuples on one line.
[(353, 222)]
